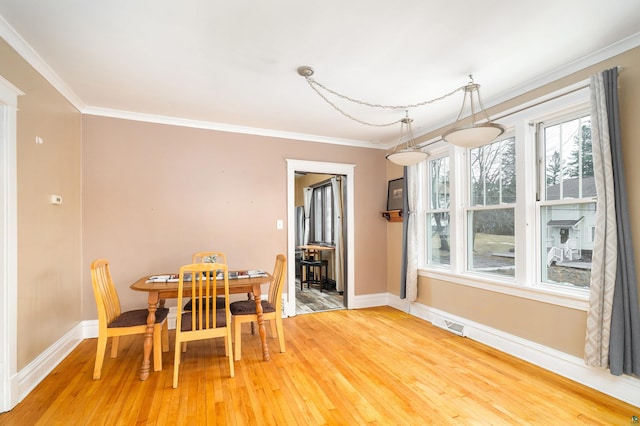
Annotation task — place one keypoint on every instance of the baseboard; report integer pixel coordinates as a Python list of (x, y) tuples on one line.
[(31, 375), (624, 388), (368, 301)]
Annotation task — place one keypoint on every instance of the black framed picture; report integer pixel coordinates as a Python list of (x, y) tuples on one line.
[(394, 194)]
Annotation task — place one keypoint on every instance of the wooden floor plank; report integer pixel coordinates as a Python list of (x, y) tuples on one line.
[(369, 366)]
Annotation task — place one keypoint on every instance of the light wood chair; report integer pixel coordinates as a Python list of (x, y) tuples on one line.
[(205, 320), (112, 322), (205, 257), (245, 310)]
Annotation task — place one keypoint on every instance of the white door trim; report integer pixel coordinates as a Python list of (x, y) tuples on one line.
[(347, 170), (9, 246)]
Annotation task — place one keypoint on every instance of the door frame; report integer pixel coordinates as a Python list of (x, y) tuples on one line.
[(347, 170), (9, 245)]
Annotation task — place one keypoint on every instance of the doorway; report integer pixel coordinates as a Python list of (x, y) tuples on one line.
[(320, 242), (347, 171)]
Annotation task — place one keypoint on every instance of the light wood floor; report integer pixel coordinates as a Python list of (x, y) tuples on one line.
[(369, 366)]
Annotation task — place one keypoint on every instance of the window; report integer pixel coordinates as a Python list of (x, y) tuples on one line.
[(517, 215), (322, 214), (567, 208), (490, 215), (437, 214)]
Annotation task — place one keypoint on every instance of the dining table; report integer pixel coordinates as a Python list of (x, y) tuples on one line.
[(159, 291)]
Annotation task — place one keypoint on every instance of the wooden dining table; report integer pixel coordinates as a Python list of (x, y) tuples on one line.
[(159, 291)]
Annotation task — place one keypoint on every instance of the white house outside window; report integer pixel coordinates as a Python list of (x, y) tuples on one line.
[(567, 206)]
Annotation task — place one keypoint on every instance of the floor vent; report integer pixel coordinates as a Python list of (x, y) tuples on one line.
[(451, 326)]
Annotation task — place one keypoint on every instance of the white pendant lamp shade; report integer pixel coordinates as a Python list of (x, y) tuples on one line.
[(410, 154), (473, 136), (407, 157)]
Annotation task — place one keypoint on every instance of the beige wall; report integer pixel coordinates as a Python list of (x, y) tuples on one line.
[(153, 194), (553, 326), (49, 236)]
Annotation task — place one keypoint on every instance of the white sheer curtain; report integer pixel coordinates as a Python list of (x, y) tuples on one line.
[(307, 193), (338, 214), (412, 234), (604, 259)]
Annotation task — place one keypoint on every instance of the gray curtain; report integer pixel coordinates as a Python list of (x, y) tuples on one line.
[(405, 232), (624, 344)]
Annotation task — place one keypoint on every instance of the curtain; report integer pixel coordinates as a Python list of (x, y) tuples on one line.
[(603, 262), (624, 344), (338, 231), (613, 322), (409, 271), (307, 193)]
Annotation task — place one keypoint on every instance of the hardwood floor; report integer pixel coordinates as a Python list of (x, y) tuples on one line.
[(313, 300), (347, 367)]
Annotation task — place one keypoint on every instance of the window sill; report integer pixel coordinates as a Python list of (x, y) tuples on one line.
[(575, 299)]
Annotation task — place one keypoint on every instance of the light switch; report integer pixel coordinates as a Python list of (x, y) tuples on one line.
[(280, 224), (55, 199)]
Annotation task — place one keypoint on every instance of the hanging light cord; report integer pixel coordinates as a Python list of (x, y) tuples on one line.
[(316, 86)]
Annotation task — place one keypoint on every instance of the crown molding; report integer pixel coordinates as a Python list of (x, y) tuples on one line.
[(27, 52)]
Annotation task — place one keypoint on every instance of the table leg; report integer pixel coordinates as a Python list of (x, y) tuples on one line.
[(261, 328), (148, 336)]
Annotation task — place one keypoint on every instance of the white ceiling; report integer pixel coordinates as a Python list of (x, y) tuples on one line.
[(232, 64)]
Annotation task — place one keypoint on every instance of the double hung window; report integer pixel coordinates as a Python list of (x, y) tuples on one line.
[(490, 214), (322, 214), (567, 208), (437, 213)]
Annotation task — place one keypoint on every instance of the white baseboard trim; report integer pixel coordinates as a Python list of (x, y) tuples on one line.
[(31, 375), (368, 301), (624, 388)]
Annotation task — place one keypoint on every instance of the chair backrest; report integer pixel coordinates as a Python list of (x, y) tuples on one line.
[(203, 278), (105, 292), (275, 290), (208, 256)]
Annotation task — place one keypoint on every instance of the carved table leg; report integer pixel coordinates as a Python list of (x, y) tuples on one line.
[(148, 336), (261, 329)]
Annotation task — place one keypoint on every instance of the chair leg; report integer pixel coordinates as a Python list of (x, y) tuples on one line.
[(237, 339), (280, 327), (274, 331), (102, 346), (157, 347), (227, 342), (165, 337), (184, 346), (176, 364), (114, 346)]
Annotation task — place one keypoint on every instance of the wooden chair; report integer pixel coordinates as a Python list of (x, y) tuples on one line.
[(114, 323), (204, 321), (204, 257), (245, 310)]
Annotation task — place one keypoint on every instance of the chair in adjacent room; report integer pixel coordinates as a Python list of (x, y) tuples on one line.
[(312, 271), (245, 310), (112, 322), (204, 320)]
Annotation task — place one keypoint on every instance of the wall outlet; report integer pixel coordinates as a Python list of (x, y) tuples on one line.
[(55, 199)]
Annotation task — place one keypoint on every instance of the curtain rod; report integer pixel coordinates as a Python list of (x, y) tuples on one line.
[(526, 108)]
